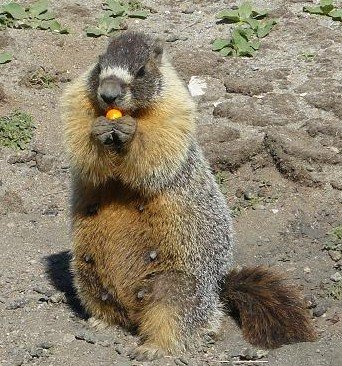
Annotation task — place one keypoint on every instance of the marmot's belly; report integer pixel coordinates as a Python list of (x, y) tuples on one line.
[(117, 251)]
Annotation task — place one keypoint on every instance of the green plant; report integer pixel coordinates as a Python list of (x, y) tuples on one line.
[(335, 291), (307, 56), (5, 57), (334, 241), (16, 130), (325, 7), (35, 16), (245, 38), (40, 78), (116, 12)]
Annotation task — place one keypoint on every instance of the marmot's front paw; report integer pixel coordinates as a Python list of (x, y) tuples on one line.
[(114, 133)]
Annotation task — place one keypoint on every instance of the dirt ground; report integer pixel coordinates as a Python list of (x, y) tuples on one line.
[(270, 126)]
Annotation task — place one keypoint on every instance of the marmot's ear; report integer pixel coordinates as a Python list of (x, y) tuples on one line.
[(158, 51)]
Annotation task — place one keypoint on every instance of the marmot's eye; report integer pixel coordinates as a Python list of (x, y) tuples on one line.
[(141, 72)]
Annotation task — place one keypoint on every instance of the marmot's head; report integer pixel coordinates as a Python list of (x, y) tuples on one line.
[(128, 76)]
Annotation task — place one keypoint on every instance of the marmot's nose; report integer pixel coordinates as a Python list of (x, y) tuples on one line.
[(109, 97)]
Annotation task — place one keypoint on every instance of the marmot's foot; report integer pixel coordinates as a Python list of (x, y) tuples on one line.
[(114, 133), (147, 352), (98, 324)]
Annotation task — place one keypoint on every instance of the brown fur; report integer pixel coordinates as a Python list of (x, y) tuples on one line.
[(136, 245), (271, 312)]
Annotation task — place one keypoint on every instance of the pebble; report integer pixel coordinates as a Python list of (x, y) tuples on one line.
[(248, 195), (57, 298), (86, 336), (119, 350), (51, 210), (336, 277), (319, 310), (16, 304), (336, 184), (172, 38), (68, 338), (259, 207), (307, 270), (181, 361), (335, 255), (311, 301), (189, 10), (36, 352), (43, 290)]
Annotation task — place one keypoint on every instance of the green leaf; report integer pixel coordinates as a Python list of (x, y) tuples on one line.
[(253, 23), (45, 16), (325, 2), (247, 33), (230, 15), (327, 9), (226, 51), (313, 10), (219, 44), (38, 7), (114, 24), (14, 10), (94, 32), (116, 8), (259, 14), (265, 29), (138, 14), (44, 25), (5, 57), (336, 14), (255, 44), (57, 28), (245, 10)]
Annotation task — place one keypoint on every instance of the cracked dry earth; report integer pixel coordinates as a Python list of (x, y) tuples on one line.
[(270, 126)]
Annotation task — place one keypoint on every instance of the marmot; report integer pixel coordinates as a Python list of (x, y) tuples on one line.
[(152, 234)]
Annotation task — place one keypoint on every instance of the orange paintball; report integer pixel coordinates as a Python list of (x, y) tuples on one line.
[(113, 114)]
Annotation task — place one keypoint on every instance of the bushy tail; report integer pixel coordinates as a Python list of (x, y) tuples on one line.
[(271, 312)]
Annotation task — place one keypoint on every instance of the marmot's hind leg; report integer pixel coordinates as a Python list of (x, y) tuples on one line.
[(169, 314)]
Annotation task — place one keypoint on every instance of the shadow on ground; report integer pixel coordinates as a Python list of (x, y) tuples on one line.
[(58, 268)]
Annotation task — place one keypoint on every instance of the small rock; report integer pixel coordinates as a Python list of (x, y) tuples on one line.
[(16, 304), (248, 195), (319, 310), (172, 38), (239, 192), (23, 157), (307, 270), (197, 86), (189, 10), (181, 361), (104, 343), (43, 290), (36, 352), (68, 338), (57, 298), (46, 345), (311, 301), (51, 210), (336, 277), (337, 185), (11, 202), (258, 207), (335, 255), (119, 349), (45, 163), (86, 336)]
